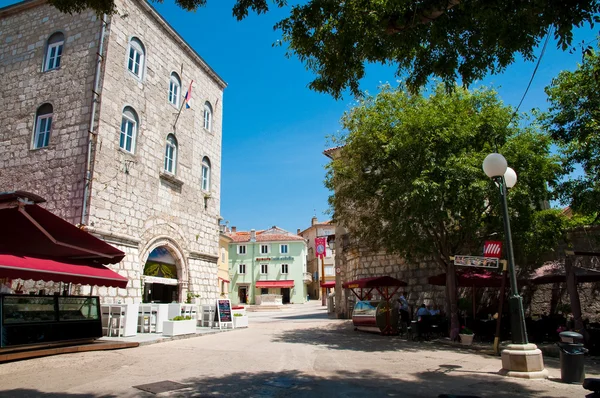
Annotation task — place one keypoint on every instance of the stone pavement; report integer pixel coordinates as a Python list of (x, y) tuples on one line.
[(296, 353)]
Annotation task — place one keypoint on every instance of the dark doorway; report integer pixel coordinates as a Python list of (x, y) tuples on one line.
[(160, 293), (285, 293), (243, 295)]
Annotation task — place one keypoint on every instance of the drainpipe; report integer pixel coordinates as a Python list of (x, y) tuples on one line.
[(92, 135)]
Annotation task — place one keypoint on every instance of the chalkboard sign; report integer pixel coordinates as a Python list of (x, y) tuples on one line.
[(224, 312)]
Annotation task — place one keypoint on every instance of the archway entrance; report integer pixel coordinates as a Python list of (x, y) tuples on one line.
[(161, 284)]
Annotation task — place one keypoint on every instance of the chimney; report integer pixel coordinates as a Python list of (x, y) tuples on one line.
[(234, 229), (313, 221), (298, 231), (252, 235)]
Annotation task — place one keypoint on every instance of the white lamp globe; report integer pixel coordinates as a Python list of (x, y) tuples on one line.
[(494, 165), (510, 177)]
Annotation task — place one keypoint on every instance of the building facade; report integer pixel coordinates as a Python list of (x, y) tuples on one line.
[(267, 267), (94, 122), (223, 278), (315, 265)]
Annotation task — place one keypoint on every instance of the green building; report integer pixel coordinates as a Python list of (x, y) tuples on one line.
[(267, 267)]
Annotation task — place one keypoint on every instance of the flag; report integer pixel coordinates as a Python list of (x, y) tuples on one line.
[(320, 246), (188, 96)]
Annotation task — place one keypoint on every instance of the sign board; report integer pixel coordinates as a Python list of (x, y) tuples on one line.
[(325, 231), (492, 248), (224, 314), (476, 261)]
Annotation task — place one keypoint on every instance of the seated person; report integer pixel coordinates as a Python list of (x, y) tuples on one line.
[(422, 311), (434, 310)]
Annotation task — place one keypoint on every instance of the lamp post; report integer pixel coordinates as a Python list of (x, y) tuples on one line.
[(495, 167)]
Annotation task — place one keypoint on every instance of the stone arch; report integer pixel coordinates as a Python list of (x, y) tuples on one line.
[(178, 254)]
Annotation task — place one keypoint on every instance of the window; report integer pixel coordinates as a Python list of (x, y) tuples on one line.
[(283, 249), (54, 51), (264, 249), (284, 268), (242, 249), (264, 290), (171, 154), (242, 269), (329, 271), (174, 89), (264, 269), (206, 174), (129, 124), (135, 64), (207, 116), (222, 255), (43, 126)]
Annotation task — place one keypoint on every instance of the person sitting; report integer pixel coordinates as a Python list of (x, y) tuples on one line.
[(434, 310), (422, 311)]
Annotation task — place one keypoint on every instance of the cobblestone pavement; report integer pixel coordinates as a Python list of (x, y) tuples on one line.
[(296, 352)]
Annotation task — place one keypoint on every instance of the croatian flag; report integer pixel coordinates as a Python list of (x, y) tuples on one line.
[(188, 96)]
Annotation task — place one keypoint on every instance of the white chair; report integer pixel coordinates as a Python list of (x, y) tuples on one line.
[(147, 318), (208, 316), (113, 318)]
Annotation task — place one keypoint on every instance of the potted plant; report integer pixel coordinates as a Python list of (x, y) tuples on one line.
[(240, 320), (179, 325), (466, 336)]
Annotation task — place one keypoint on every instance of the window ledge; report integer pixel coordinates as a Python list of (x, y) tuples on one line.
[(172, 179)]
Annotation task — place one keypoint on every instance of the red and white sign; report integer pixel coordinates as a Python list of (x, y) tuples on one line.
[(320, 246), (492, 248)]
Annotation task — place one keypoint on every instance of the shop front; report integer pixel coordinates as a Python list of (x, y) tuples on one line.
[(274, 292)]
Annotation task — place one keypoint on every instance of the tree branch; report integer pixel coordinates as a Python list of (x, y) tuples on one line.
[(426, 16)]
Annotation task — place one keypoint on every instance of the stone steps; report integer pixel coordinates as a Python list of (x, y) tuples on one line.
[(259, 308)]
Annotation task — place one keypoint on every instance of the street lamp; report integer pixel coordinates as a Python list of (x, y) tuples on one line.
[(495, 167)]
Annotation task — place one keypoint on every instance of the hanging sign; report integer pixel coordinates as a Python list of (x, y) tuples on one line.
[(492, 248), (476, 261), (224, 314)]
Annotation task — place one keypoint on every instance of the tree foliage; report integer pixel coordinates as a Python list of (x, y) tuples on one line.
[(411, 181), (450, 39), (574, 122)]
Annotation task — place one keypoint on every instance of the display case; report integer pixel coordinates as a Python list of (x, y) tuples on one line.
[(375, 316), (46, 319)]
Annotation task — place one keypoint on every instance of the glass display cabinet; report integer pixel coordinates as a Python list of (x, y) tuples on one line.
[(29, 320)]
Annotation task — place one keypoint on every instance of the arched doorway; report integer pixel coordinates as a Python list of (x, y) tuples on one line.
[(161, 284)]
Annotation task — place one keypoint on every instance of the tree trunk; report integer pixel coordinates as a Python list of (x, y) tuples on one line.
[(451, 300), (574, 296)]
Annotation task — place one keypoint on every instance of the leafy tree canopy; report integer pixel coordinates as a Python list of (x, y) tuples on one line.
[(574, 122), (410, 178), (451, 39)]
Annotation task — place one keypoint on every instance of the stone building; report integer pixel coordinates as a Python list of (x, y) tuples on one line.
[(94, 121), (314, 266)]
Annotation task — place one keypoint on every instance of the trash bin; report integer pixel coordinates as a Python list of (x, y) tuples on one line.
[(572, 352)]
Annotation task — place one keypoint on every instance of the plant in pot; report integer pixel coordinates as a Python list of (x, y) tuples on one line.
[(466, 336), (240, 320), (179, 325)]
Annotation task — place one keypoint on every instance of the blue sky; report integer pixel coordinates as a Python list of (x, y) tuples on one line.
[(275, 128)]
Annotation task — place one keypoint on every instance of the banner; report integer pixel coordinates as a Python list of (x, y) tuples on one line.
[(320, 246)]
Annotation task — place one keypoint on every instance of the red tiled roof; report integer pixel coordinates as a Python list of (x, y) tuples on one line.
[(261, 236), (328, 151)]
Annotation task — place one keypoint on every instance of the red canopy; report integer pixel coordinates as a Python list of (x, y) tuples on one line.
[(376, 281), (329, 284), (30, 230), (49, 270), (274, 283), (470, 279)]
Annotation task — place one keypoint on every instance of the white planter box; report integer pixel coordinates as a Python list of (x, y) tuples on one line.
[(240, 321), (466, 339), (176, 328)]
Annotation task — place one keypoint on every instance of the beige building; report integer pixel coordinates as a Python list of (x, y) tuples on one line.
[(314, 265), (89, 109), (223, 278)]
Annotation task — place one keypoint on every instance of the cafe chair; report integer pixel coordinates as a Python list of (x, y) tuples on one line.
[(147, 316), (115, 320)]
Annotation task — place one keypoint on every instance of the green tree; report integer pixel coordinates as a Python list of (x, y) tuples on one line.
[(574, 122), (444, 38), (409, 179)]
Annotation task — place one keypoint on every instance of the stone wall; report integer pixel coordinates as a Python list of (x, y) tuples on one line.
[(55, 172)]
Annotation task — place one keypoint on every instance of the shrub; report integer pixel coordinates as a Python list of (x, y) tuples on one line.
[(465, 330), (181, 318)]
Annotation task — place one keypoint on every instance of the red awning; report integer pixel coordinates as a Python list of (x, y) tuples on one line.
[(30, 230), (274, 283), (20, 267), (377, 281), (329, 284), (224, 280), (478, 278)]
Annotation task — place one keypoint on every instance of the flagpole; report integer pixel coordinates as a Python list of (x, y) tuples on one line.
[(177, 118), (186, 100)]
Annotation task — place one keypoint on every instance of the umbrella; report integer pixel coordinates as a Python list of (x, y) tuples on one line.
[(555, 273)]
